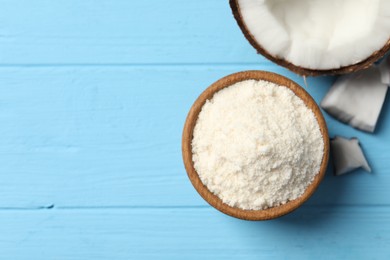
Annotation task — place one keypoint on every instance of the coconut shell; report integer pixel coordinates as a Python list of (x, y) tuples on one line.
[(301, 70)]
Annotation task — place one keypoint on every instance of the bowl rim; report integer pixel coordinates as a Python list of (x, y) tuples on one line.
[(187, 137)]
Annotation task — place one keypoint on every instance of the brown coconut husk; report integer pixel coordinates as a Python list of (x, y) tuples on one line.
[(300, 70)]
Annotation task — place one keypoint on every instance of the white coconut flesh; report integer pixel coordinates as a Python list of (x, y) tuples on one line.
[(318, 34)]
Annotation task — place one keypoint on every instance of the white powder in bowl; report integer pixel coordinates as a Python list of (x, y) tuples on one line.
[(256, 145)]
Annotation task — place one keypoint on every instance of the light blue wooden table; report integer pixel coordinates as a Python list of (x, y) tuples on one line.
[(93, 97)]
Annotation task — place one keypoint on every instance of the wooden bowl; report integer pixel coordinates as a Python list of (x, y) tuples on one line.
[(192, 117)]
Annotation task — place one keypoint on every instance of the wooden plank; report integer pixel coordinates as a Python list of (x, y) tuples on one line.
[(185, 233), (110, 136), (121, 32)]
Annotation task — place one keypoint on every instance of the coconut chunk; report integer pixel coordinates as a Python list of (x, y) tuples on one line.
[(316, 36), (357, 99), (347, 155), (384, 68)]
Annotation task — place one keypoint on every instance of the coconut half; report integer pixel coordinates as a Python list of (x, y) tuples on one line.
[(316, 37)]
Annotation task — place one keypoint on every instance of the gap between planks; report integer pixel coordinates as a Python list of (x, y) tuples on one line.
[(182, 207), (173, 65)]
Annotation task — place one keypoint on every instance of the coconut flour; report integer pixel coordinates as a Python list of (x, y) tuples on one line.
[(256, 145)]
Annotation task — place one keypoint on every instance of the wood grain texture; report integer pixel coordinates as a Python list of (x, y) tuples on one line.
[(93, 98), (103, 136), (189, 126), (180, 233), (92, 136), (120, 32)]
